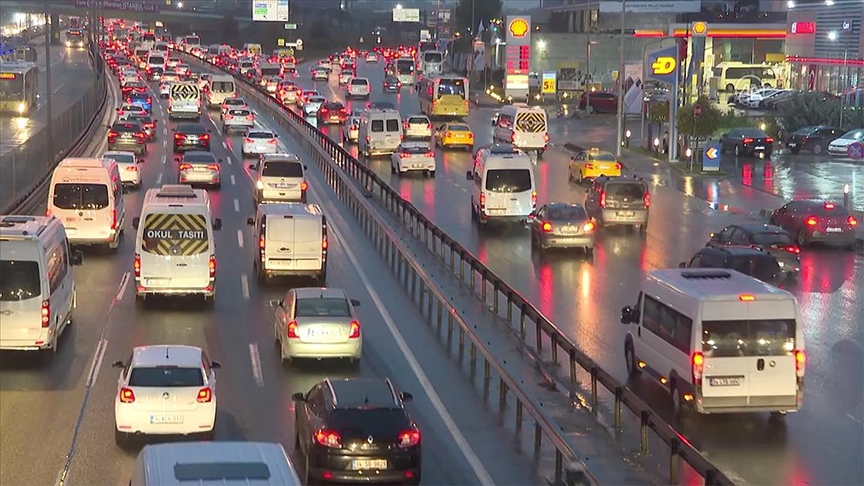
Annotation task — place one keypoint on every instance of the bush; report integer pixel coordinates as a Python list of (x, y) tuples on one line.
[(809, 109), (702, 126)]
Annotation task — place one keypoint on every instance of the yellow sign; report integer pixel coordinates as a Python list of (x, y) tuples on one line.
[(549, 86), (699, 29), (663, 66), (280, 42), (518, 27)]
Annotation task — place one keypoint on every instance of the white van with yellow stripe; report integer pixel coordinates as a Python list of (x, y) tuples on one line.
[(525, 127), (175, 251)]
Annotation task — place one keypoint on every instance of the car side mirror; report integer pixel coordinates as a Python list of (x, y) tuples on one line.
[(135, 222), (713, 236), (219, 160), (298, 397), (627, 315), (305, 167), (140, 160), (275, 135), (174, 130), (682, 265), (274, 303), (209, 131), (355, 302), (76, 258), (469, 175), (250, 221), (217, 224), (155, 120), (215, 365), (118, 364), (406, 397)]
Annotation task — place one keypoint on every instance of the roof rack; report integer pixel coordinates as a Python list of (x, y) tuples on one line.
[(705, 274), (176, 190), (13, 219), (503, 148)]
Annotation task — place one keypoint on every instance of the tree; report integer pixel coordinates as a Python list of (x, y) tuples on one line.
[(702, 126), (810, 109), (470, 12)]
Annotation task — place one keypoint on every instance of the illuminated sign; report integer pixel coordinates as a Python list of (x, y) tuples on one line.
[(663, 66), (802, 28), (8, 76), (518, 59), (700, 29), (518, 27)]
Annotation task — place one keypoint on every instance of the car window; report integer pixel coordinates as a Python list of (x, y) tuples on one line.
[(772, 238), (359, 82), (566, 213), (80, 196), (631, 191), (166, 377), (121, 158), (508, 180), (260, 135), (758, 337), (322, 307), (377, 126), (392, 125), (739, 237), (458, 128), (206, 158), (602, 157), (282, 168), (762, 267), (418, 120)]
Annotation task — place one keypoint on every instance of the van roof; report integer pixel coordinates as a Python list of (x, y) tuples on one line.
[(21, 227), (176, 194), (83, 162), (293, 209), (714, 284)]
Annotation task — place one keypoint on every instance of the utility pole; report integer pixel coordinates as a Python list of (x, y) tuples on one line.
[(49, 106), (620, 137)]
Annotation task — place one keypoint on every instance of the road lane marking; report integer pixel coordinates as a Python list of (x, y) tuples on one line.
[(159, 179), (97, 362), (165, 144), (233, 181), (164, 160), (224, 144), (255, 357), (240, 238), (476, 464), (236, 205), (124, 282), (244, 285), (230, 162)]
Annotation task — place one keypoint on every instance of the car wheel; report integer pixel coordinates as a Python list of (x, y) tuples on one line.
[(737, 150), (817, 149), (432, 173), (630, 360), (802, 238)]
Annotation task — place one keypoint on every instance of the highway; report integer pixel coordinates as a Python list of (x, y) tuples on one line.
[(71, 77), (57, 407), (822, 444)]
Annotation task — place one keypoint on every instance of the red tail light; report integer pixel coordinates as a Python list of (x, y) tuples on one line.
[(184, 166), (113, 134), (272, 141), (769, 140), (329, 438), (547, 227), (46, 313), (291, 330), (697, 361), (132, 168), (114, 214), (127, 395), (448, 134), (588, 227), (353, 127), (324, 244), (793, 249), (179, 136), (214, 167), (647, 199), (140, 135), (149, 100), (829, 205), (150, 125), (355, 330), (430, 154), (482, 202), (470, 136), (205, 395), (546, 137), (304, 186), (812, 221), (429, 126), (800, 362), (409, 438), (589, 166), (205, 136), (212, 266), (748, 140), (617, 166), (851, 221), (136, 265), (603, 199), (513, 137), (533, 198), (247, 140)]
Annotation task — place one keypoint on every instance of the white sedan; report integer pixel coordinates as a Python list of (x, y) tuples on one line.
[(128, 164), (165, 390), (165, 88), (317, 323), (259, 142), (371, 57), (233, 104), (128, 109), (241, 119), (413, 156), (754, 98)]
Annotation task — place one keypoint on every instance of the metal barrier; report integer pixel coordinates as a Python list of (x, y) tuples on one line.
[(24, 167), (535, 330)]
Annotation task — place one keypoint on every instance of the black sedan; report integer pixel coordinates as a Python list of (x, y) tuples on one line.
[(813, 139), (129, 136), (191, 136), (391, 84), (747, 141)]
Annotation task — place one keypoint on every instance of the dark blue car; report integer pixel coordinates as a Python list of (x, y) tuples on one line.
[(141, 99)]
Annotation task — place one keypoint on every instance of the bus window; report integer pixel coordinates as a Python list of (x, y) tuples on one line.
[(451, 87), (433, 57)]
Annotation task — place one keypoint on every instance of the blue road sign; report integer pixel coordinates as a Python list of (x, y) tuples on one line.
[(711, 158), (855, 151)]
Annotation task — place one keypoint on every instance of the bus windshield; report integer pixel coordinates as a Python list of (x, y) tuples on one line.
[(433, 57), (428, 46), (405, 66), (193, 40), (276, 71), (449, 86), (11, 86)]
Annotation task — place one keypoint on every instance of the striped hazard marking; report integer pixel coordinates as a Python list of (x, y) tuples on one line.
[(531, 122), (176, 234)]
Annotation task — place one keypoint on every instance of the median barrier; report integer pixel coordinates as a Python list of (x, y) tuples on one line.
[(354, 183)]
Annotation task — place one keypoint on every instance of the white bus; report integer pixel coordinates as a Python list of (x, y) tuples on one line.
[(430, 63), (405, 71)]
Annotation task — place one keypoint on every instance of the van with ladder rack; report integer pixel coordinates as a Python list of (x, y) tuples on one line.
[(718, 340)]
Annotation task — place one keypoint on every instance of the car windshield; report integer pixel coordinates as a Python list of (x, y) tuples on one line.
[(772, 238), (458, 128), (602, 157), (19, 280), (282, 168), (566, 213), (415, 149), (508, 180), (165, 377), (80, 196), (359, 82), (126, 127), (417, 120), (758, 337), (856, 135), (206, 158), (322, 307)]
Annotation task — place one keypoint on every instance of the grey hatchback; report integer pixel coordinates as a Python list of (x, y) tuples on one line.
[(562, 225)]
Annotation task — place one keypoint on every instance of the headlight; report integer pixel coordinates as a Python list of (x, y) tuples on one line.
[(68, 44), (259, 185), (21, 108)]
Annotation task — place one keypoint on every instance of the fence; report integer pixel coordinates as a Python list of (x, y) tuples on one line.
[(535, 330), (24, 167)]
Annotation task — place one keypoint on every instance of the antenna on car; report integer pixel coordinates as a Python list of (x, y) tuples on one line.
[(166, 352), (366, 400)]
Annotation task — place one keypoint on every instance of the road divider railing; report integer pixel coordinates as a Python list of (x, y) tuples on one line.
[(537, 332), (28, 167)]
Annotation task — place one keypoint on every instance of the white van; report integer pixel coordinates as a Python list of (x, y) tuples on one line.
[(380, 132), (720, 341), (156, 59), (225, 463), (37, 292), (504, 186), (292, 241), (279, 178), (175, 251), (184, 101), (222, 87), (87, 196), (522, 126)]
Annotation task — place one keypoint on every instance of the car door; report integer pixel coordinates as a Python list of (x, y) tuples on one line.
[(725, 236), (780, 216), (311, 416), (730, 139), (284, 313), (577, 162)]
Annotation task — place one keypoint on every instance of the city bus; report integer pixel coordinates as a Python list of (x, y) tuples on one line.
[(430, 63), (75, 37), (19, 85), (444, 96), (405, 71)]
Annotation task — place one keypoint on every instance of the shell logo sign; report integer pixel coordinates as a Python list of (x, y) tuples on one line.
[(518, 27)]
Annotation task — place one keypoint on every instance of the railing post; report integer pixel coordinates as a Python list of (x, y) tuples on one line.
[(472, 360), (522, 324), (487, 377), (674, 459), (502, 395), (554, 338), (594, 388), (618, 394), (643, 419), (495, 297)]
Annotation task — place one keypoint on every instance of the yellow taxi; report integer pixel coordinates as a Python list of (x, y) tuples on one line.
[(591, 164), (456, 134)]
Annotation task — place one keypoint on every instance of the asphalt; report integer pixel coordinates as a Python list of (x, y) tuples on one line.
[(822, 444), (56, 413), (71, 77)]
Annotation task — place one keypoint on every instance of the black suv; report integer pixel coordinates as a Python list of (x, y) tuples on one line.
[(357, 430), (773, 239), (618, 201), (814, 139), (754, 262), (191, 136)]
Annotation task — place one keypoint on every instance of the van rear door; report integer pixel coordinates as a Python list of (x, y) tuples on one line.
[(175, 251), (508, 192), (85, 210), (20, 297), (392, 133), (279, 247), (308, 238)]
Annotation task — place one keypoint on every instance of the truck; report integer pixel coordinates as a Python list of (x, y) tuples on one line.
[(184, 101)]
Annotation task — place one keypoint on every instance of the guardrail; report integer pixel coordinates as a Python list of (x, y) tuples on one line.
[(515, 309), (28, 166)]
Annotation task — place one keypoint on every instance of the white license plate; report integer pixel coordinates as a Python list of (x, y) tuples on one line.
[(759, 148), (833, 230), (156, 281), (321, 333), (166, 419), (625, 213), (417, 166), (369, 464), (192, 139), (568, 230), (495, 211), (725, 381)]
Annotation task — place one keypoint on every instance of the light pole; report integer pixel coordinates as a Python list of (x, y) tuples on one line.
[(618, 138), (587, 74), (49, 105)]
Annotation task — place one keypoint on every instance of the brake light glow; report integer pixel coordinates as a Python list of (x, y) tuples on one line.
[(546, 137), (409, 438), (547, 227), (329, 438), (136, 265), (513, 137), (829, 205), (114, 216), (448, 134), (205, 136), (482, 202), (179, 136), (800, 362), (131, 168), (647, 199), (291, 330), (748, 140), (747, 298), (304, 186), (588, 227), (127, 395), (697, 362), (46, 313), (812, 221), (355, 330), (248, 140), (769, 140), (205, 395), (213, 167), (533, 198), (184, 166), (617, 166), (851, 221), (793, 249), (113, 134), (603, 199), (212, 266)]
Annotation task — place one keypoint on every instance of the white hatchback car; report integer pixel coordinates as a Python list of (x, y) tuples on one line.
[(313, 104), (238, 119), (258, 142), (129, 165), (413, 156), (233, 104), (418, 126), (359, 88), (165, 88), (351, 129), (344, 76), (165, 390), (129, 109)]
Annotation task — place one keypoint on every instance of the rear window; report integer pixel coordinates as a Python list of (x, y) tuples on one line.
[(377, 126), (19, 280), (156, 60), (508, 180), (384, 423), (602, 157), (121, 158), (166, 377), (282, 169), (458, 128), (239, 112), (392, 125), (80, 196), (416, 120), (451, 87), (416, 149), (260, 135), (126, 127), (234, 102), (632, 192), (772, 239), (222, 86), (760, 337), (762, 267), (327, 307), (836, 212), (567, 213), (359, 81)]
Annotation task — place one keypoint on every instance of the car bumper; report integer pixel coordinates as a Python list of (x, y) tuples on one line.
[(401, 466), (259, 149), (748, 404), (277, 196), (191, 146), (104, 237), (837, 151), (843, 238), (139, 422), (238, 126), (37, 340), (595, 173), (297, 349), (454, 142), (133, 145), (567, 241), (416, 166), (611, 217), (425, 135), (141, 290), (133, 178), (188, 177)]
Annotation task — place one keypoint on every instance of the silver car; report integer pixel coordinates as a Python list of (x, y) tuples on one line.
[(198, 167), (317, 323), (351, 129), (313, 104), (562, 225)]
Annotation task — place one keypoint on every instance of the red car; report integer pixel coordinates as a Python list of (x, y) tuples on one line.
[(600, 101), (817, 222)]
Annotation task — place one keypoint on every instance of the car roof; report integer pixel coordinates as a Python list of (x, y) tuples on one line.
[(261, 130), (363, 393), (166, 354), (562, 205), (199, 152), (739, 250), (320, 293), (760, 228)]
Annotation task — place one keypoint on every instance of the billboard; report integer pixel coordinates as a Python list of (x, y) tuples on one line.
[(517, 55), (126, 6), (662, 65), (406, 15), (270, 10), (669, 6)]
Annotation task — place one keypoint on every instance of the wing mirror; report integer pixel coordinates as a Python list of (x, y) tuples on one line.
[(495, 119), (140, 160), (305, 167), (469, 176), (252, 167), (713, 236), (217, 224), (209, 131), (275, 303), (355, 302), (118, 364), (155, 120), (76, 258), (406, 397), (629, 315), (219, 160), (174, 130), (250, 221), (135, 222), (682, 265), (298, 397), (177, 159), (215, 365)]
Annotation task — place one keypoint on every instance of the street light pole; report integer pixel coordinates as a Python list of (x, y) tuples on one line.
[(49, 106), (587, 75), (619, 137)]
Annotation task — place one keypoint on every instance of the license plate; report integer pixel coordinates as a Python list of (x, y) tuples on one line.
[(369, 464), (192, 139), (625, 213), (284, 186), (759, 148), (416, 166), (725, 381), (495, 211), (567, 230), (156, 281), (313, 333), (834, 230), (166, 419), (793, 144)]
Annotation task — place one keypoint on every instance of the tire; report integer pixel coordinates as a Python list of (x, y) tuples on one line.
[(120, 438), (737, 150), (817, 149), (630, 360), (801, 239), (432, 173)]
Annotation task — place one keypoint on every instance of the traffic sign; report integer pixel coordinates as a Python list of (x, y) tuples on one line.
[(549, 83), (280, 42), (290, 26), (697, 110), (711, 158), (855, 151)]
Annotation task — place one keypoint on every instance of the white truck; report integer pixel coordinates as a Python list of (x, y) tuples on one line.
[(222, 87), (184, 101)]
